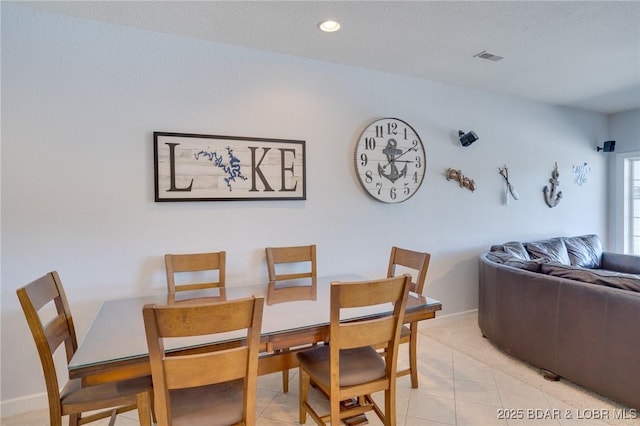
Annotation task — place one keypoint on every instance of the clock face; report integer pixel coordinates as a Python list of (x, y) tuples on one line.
[(390, 160)]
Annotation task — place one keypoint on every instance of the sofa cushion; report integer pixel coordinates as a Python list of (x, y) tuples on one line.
[(514, 261), (593, 276), (514, 248), (553, 250), (584, 251)]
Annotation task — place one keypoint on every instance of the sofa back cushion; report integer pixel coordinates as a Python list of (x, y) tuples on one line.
[(593, 276), (584, 251), (514, 248), (508, 259), (552, 250)]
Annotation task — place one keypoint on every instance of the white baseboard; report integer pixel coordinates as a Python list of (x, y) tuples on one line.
[(23, 404)]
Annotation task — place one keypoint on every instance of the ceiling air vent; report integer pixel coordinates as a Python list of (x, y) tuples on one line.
[(486, 55)]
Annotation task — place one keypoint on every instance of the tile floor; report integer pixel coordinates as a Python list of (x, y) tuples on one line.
[(455, 389)]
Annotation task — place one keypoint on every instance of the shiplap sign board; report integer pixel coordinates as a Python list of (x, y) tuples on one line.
[(192, 167)]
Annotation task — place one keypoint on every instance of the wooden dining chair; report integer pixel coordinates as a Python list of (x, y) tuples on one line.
[(39, 300), (350, 366), (211, 265), (416, 263), (286, 264), (214, 387), (291, 255)]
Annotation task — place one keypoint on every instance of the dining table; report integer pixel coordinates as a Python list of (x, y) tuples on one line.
[(295, 316)]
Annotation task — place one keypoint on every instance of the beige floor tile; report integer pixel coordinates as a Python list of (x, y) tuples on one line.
[(414, 421), (474, 414), (432, 408), (263, 421), (283, 408), (41, 418), (32, 418), (271, 381), (468, 369), (436, 386), (522, 397), (432, 348), (478, 392), (435, 367), (264, 398), (434, 359)]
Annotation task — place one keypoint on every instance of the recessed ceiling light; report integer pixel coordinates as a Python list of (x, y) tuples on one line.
[(329, 26)]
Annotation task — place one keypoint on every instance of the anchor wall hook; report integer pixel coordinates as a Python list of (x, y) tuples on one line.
[(550, 197)]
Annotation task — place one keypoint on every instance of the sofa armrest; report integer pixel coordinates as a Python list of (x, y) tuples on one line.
[(621, 262)]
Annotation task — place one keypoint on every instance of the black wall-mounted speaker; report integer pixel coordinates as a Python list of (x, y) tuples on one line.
[(468, 138), (609, 146)]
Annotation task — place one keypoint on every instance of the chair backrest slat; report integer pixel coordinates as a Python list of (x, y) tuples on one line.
[(413, 260), (293, 254), (57, 331), (213, 367), (195, 263), (367, 293), (373, 333), (200, 319)]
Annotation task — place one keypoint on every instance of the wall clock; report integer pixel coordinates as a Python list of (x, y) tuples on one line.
[(390, 161)]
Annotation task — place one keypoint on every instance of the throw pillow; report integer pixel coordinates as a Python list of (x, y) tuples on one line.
[(514, 248), (594, 276), (553, 250), (517, 249), (584, 251), (514, 261)]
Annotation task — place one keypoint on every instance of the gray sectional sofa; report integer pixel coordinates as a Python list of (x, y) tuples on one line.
[(567, 307)]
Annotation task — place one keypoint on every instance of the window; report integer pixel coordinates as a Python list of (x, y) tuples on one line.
[(632, 205)]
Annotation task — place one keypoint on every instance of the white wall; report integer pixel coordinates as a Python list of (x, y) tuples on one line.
[(80, 101)]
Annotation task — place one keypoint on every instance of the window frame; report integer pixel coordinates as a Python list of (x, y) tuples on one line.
[(623, 213)]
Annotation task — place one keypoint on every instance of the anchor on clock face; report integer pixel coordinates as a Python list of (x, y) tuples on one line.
[(392, 154)]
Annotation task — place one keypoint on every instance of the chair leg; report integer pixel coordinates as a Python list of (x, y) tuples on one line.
[(285, 381), (114, 415), (74, 420), (413, 354), (390, 407), (335, 411), (303, 380), (144, 409)]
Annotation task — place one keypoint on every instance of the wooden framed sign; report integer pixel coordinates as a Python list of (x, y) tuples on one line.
[(191, 167)]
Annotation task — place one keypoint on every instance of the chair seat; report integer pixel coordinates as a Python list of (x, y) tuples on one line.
[(357, 366), (211, 405), (76, 399)]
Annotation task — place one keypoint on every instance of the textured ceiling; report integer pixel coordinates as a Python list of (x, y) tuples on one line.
[(583, 54)]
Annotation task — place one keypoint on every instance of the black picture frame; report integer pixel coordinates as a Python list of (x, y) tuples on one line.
[(196, 167)]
